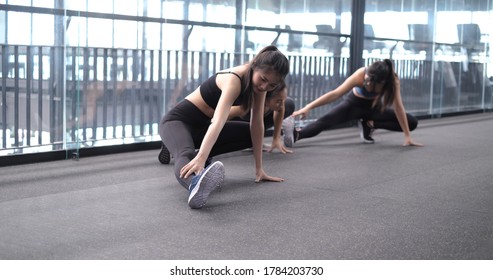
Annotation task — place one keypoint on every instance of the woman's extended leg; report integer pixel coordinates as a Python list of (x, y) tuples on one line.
[(177, 137), (182, 142), (349, 109), (235, 136)]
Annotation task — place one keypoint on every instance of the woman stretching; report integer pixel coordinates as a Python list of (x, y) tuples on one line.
[(200, 122), (372, 91), (278, 106)]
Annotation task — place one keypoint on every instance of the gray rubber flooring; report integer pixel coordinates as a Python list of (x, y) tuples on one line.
[(341, 199)]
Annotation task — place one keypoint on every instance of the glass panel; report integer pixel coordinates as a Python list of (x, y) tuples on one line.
[(43, 3), (100, 32), (211, 39), (151, 36), (108, 78), (100, 6), (408, 41), (131, 7), (3, 25), (126, 34), (200, 10), (154, 8), (440, 49), (21, 2), (77, 32), (19, 25), (332, 18), (75, 5), (43, 31), (173, 9), (467, 27), (172, 31), (216, 11)]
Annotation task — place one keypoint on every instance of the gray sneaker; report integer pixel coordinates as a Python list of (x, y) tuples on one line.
[(204, 184), (288, 128)]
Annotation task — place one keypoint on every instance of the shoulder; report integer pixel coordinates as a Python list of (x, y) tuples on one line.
[(229, 78), (360, 71), (237, 72), (358, 75), (240, 70), (356, 79), (234, 75)]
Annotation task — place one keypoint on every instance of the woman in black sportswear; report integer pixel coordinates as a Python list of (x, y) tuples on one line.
[(374, 99), (197, 128)]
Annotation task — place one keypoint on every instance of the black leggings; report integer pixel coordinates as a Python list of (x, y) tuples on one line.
[(183, 128), (269, 116), (354, 108)]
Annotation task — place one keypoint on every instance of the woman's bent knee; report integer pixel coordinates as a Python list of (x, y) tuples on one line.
[(413, 123)]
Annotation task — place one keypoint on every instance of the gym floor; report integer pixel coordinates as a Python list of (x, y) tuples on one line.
[(341, 199)]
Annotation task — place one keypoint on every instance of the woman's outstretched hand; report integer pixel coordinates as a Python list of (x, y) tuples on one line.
[(303, 113), (277, 144), (410, 142), (261, 176)]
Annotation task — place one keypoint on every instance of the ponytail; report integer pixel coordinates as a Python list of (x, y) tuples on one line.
[(389, 87), (383, 71)]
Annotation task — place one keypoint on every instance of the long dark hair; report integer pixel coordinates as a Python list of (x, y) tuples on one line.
[(276, 91), (383, 71), (268, 59)]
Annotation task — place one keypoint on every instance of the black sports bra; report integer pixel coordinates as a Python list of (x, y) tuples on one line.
[(210, 92)]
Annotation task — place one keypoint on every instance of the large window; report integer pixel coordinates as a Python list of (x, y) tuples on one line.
[(319, 25), (441, 48), (82, 73)]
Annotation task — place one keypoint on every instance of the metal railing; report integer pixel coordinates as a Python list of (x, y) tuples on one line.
[(112, 96)]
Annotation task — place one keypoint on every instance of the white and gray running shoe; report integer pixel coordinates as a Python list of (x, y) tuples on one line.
[(288, 128), (204, 184)]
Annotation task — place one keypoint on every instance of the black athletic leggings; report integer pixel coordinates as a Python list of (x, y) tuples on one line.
[(354, 108), (269, 117), (183, 128)]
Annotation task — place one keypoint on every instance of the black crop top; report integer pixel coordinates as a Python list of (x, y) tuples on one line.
[(210, 92)]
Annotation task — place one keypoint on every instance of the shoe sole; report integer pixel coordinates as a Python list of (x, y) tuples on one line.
[(210, 179), (288, 128), (288, 141), (164, 156)]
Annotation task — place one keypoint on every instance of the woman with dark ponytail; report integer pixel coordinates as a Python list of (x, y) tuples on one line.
[(197, 128), (373, 99)]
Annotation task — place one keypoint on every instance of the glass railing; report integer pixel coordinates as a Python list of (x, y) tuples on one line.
[(118, 96)]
